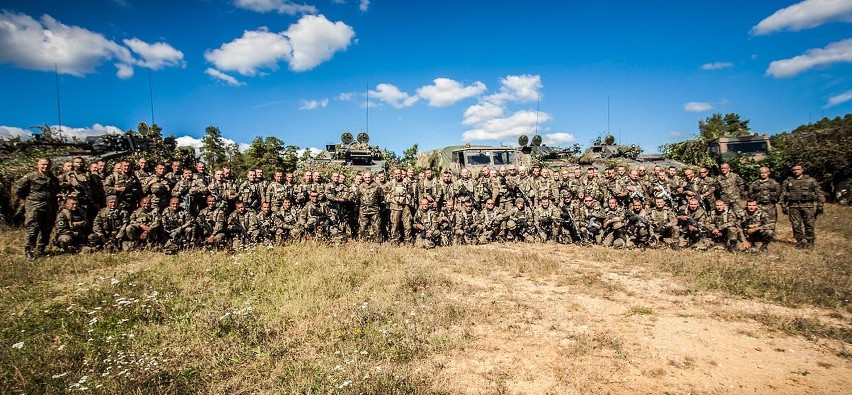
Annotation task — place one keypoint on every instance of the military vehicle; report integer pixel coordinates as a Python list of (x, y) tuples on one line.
[(602, 154), (728, 148), (352, 152)]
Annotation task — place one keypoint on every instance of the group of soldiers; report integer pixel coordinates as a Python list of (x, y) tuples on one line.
[(172, 208)]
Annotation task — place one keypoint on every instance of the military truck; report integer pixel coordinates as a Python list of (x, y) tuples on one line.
[(725, 149), (352, 152)]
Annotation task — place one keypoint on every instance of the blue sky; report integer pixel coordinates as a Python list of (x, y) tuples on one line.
[(434, 73)]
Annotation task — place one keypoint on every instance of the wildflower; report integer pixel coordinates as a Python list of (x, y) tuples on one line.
[(18, 345)]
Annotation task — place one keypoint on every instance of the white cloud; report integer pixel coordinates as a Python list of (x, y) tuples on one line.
[(314, 151), (364, 5), (482, 112), (304, 45), (315, 39), (839, 99), (188, 141), (97, 129), (279, 6), (694, 106), (11, 131), (47, 43), (675, 134), (445, 92), (345, 96), (520, 88), (805, 15), (503, 129), (559, 138), (230, 80), (157, 55), (313, 104), (256, 49), (390, 94), (716, 65), (836, 52)]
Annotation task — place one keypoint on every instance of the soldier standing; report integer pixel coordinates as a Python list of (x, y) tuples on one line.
[(38, 189), (730, 187), (802, 200), (369, 195), (767, 192)]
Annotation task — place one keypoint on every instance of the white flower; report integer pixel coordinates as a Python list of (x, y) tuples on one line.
[(18, 345)]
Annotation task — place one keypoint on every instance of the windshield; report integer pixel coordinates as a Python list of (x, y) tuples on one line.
[(477, 159), (504, 157)]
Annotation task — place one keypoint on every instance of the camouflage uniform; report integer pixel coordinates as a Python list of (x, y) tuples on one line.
[(108, 228), (156, 187), (730, 189), (802, 200), (697, 219), (369, 219), (39, 192), (725, 224), (212, 226), (757, 227), (467, 226), (249, 193), (590, 222), (314, 220), (287, 224), (400, 200), (639, 228), (546, 221), (182, 190), (664, 224), (426, 223), (241, 226), (78, 184), (148, 217), (614, 227), (70, 229), (520, 222), (128, 198), (265, 227), (492, 218), (178, 228), (767, 192)]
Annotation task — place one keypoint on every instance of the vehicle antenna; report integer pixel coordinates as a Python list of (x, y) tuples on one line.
[(58, 110)]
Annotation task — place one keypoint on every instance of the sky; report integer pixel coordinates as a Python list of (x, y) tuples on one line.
[(432, 73)]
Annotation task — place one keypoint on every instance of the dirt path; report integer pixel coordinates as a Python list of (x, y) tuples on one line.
[(593, 327)]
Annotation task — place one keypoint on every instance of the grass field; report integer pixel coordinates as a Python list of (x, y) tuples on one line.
[(366, 318)]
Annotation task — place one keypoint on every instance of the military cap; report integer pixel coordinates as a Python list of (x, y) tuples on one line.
[(111, 197)]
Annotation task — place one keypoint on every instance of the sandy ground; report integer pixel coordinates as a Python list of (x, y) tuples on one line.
[(595, 327)]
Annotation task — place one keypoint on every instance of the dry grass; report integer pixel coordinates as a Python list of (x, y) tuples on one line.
[(365, 318)]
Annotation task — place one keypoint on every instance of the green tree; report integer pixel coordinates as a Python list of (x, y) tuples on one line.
[(694, 152), (409, 156), (213, 150), (236, 159), (716, 126)]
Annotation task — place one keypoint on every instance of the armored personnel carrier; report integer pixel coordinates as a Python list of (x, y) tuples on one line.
[(353, 152)]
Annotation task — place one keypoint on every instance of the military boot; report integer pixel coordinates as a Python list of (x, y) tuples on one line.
[(30, 255)]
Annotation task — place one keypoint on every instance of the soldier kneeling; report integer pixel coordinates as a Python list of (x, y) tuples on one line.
[(70, 227), (757, 227), (145, 225), (109, 226)]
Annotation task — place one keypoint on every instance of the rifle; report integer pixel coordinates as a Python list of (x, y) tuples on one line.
[(703, 230), (666, 195)]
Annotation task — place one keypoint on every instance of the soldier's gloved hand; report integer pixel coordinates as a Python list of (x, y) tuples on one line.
[(785, 210), (819, 210)]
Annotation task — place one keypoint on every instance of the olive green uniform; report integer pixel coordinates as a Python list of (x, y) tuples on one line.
[(802, 200), (39, 192)]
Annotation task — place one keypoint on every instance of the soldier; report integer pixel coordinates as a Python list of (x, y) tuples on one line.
[(767, 192), (546, 217), (400, 198), (157, 187), (614, 224), (77, 183), (109, 226), (287, 222), (568, 212), (182, 190), (661, 188), (468, 225), (802, 200), (39, 190), (174, 174), (757, 227), (124, 185), (723, 226), (639, 227), (428, 187), (264, 231), (249, 191), (224, 189), (484, 190), (466, 189), (591, 186), (426, 222), (212, 224), (141, 172), (178, 226), (708, 188), (504, 189), (730, 187), (492, 222), (199, 189), (70, 228), (664, 223), (693, 223), (446, 189), (145, 225), (614, 187), (241, 226), (340, 206), (519, 225), (370, 197), (695, 187), (590, 221), (97, 180), (313, 217), (276, 191)]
